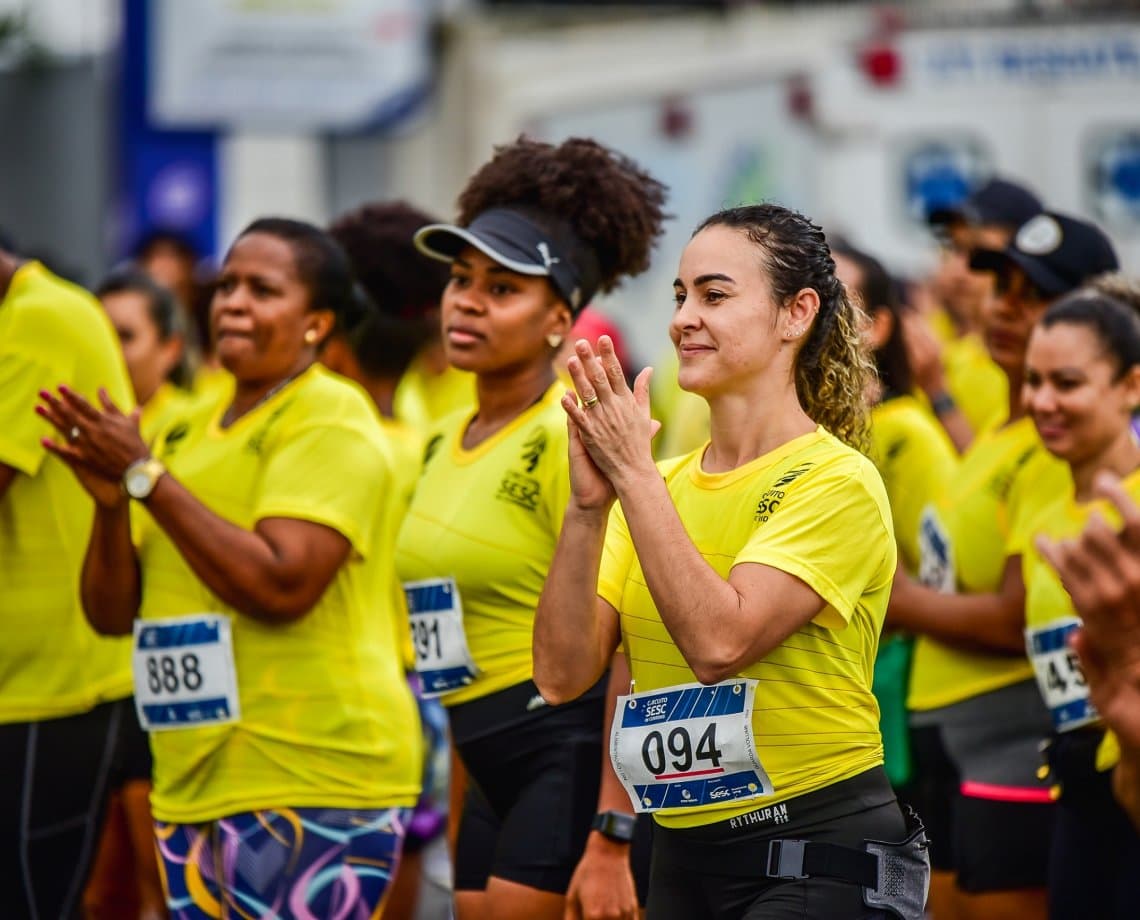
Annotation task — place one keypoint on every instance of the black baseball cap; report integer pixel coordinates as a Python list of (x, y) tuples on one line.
[(1058, 253), (998, 201), (517, 241)]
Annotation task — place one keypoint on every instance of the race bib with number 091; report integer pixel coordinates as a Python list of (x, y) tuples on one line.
[(1059, 675), (688, 746), (443, 660), (184, 672)]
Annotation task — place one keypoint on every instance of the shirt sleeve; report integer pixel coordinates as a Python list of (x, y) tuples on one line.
[(21, 379), (833, 532), (329, 474)]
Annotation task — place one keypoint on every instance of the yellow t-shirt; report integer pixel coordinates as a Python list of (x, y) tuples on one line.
[(489, 517), (916, 459), (1064, 517), (813, 508), (424, 398), (327, 718), (167, 402), (978, 385), (406, 447), (973, 530), (52, 663)]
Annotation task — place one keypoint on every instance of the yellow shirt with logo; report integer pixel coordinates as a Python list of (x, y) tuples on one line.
[(489, 517), (916, 459), (327, 719), (817, 510), (52, 663), (970, 534)]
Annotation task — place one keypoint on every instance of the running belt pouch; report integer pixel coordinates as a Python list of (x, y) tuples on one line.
[(890, 685), (904, 872)]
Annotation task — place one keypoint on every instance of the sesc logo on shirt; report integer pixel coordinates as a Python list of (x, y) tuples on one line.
[(771, 499)]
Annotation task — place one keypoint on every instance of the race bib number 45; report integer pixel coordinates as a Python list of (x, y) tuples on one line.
[(1059, 675), (688, 746), (184, 672), (443, 660)]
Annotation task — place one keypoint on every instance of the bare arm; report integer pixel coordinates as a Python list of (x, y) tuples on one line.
[(720, 626), (575, 631), (992, 623), (603, 884), (925, 355), (109, 585), (275, 573)]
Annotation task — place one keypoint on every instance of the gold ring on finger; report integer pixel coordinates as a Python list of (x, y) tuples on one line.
[(590, 401)]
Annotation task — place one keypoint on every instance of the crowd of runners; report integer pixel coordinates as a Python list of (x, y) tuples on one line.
[(361, 575)]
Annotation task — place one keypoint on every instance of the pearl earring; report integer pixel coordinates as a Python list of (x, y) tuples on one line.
[(553, 339), (310, 336)]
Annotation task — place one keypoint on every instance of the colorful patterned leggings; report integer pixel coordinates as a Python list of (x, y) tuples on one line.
[(297, 863)]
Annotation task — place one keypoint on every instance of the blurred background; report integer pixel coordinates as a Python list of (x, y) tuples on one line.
[(122, 117)]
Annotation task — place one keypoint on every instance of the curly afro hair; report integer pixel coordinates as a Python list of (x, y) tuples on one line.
[(378, 240), (612, 205)]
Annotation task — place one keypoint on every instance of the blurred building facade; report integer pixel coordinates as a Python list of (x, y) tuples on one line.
[(860, 115)]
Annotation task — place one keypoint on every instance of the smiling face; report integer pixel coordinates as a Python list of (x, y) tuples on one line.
[(1075, 392), (261, 312), (727, 328), (496, 320)]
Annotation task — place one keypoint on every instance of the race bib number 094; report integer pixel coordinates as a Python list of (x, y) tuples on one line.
[(184, 672), (688, 746)]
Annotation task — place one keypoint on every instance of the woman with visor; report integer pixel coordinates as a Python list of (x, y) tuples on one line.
[(541, 230)]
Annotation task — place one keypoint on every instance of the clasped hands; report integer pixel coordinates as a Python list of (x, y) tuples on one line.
[(610, 426), (98, 444)]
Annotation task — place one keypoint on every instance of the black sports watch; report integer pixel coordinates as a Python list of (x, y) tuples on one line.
[(615, 825)]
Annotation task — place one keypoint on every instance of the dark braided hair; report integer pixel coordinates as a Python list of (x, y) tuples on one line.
[(833, 366), (612, 206)]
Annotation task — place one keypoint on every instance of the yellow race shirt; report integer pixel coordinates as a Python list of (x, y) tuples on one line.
[(489, 518), (327, 719), (978, 385), (424, 398), (968, 536), (916, 459), (1046, 600), (52, 663), (167, 402), (406, 446), (816, 509)]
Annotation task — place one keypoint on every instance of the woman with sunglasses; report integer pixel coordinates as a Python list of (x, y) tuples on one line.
[(976, 713)]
